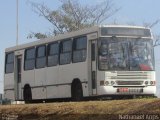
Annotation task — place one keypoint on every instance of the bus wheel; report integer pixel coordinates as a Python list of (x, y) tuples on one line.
[(77, 92), (27, 94)]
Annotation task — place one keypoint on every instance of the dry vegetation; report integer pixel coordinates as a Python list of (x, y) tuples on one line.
[(91, 110)]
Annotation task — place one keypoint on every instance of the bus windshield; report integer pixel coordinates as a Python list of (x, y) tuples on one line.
[(135, 54)]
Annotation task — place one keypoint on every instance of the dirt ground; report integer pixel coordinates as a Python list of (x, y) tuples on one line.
[(149, 109)]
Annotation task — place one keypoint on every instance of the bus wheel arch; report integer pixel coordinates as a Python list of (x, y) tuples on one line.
[(76, 90), (27, 93)]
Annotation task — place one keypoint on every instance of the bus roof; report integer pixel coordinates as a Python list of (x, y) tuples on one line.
[(66, 35)]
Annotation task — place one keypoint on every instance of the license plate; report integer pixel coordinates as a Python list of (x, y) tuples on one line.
[(130, 90), (123, 90)]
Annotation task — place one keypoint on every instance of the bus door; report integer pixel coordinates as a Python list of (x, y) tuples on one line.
[(18, 71), (93, 68)]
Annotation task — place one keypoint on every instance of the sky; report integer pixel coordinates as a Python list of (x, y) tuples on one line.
[(131, 11)]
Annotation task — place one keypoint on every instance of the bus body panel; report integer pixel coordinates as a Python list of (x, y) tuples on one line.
[(52, 92), (40, 77), (9, 94), (39, 93), (28, 77), (69, 72), (52, 77), (9, 86), (9, 81)]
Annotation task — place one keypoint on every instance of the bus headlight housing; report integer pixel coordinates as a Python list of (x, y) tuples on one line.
[(112, 82), (106, 83), (153, 83), (146, 82)]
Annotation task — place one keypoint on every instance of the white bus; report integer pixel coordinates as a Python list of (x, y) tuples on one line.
[(107, 60)]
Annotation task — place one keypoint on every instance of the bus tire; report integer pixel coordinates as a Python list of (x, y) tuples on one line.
[(27, 93), (76, 90)]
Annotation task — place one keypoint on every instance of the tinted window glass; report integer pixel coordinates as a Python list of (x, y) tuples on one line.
[(41, 51), (79, 51), (41, 57), (80, 43), (9, 67), (67, 46), (53, 60), (53, 49), (40, 62), (79, 56), (10, 57), (66, 52), (29, 63), (53, 54), (134, 54), (30, 53)]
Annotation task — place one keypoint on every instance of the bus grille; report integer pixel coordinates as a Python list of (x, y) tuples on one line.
[(129, 82), (128, 77)]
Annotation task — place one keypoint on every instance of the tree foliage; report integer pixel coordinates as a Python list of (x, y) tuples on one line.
[(72, 15)]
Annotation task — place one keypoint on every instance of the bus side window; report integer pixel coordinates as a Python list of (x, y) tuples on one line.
[(29, 62), (79, 49), (41, 56), (53, 54), (65, 52), (9, 66)]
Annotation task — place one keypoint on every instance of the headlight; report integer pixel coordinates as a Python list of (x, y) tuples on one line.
[(106, 83), (146, 82), (152, 82), (112, 82)]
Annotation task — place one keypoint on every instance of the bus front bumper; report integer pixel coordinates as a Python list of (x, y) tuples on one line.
[(127, 90)]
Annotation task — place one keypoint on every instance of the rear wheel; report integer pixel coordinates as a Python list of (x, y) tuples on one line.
[(27, 94), (77, 92)]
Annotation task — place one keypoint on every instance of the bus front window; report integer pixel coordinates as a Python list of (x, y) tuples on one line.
[(141, 55), (118, 53), (125, 54)]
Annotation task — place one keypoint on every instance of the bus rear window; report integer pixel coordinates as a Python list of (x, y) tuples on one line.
[(9, 66)]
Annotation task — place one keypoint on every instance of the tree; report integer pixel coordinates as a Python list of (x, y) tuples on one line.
[(72, 15)]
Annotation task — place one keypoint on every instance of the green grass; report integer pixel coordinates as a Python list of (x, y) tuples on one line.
[(90, 110)]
